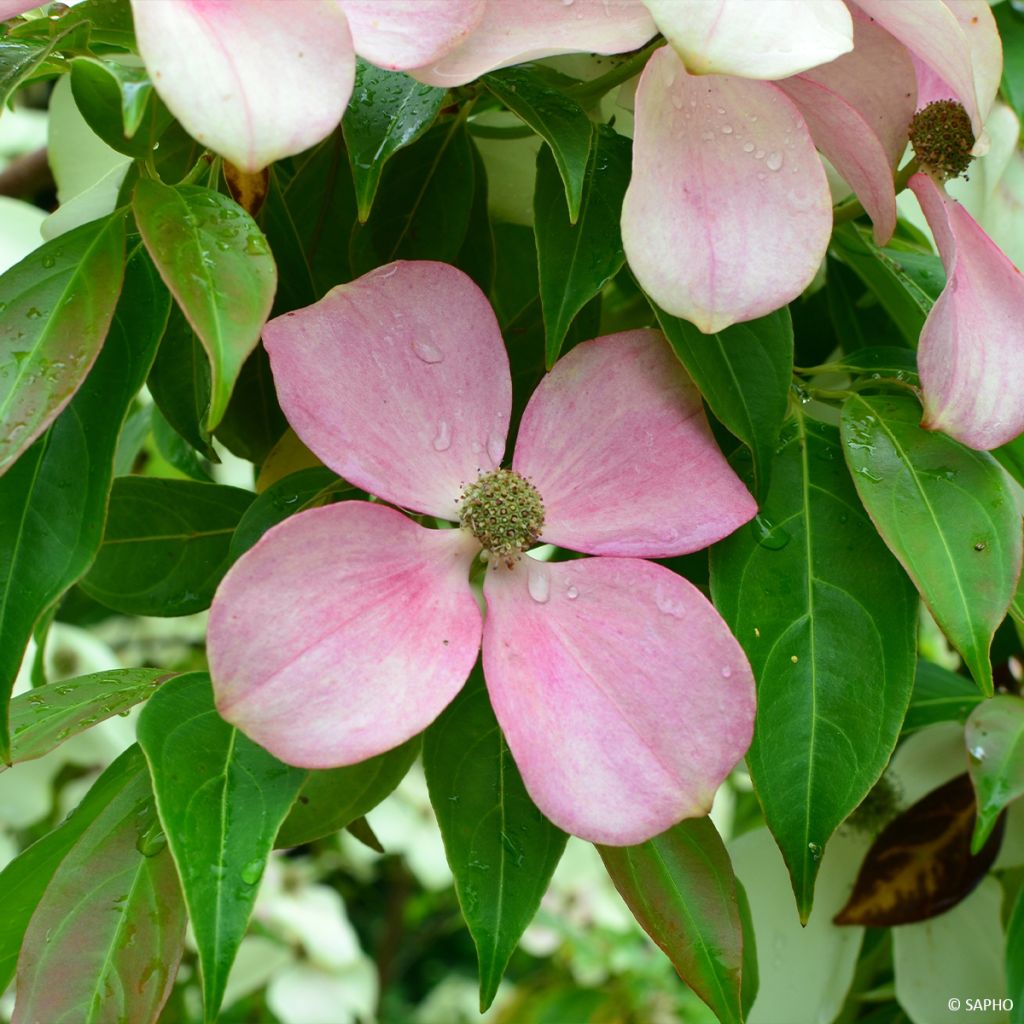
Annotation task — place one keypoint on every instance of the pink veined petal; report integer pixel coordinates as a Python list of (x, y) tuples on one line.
[(343, 632), (971, 355), (986, 48), (513, 31), (728, 213), (398, 381), (932, 33), (858, 108), (624, 698), (616, 442), (11, 8), (240, 76), (400, 34), (754, 40)]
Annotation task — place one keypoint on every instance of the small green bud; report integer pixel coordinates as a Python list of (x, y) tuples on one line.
[(504, 511), (942, 139)]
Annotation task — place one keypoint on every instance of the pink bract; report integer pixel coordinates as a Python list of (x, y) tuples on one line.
[(347, 629)]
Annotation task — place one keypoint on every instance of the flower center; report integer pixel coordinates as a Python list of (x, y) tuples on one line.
[(503, 510), (942, 139)]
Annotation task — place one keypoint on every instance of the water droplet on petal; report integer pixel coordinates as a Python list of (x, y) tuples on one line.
[(426, 352), (539, 582), (726, 672), (443, 437), (572, 593), (774, 161), (748, 147), (726, 129)]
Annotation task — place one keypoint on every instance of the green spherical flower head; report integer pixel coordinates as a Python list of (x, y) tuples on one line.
[(942, 139), (504, 512)]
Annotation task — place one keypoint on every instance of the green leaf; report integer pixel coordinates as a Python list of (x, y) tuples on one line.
[(295, 493), (879, 361), (477, 257), (388, 110), (430, 195), (105, 940), (828, 620), (217, 264), (939, 696), (253, 422), (166, 545), (744, 373), (560, 121), (680, 886), (1011, 32), (221, 799), (55, 310), (333, 799), (175, 449), (295, 285), (1014, 961), (945, 511), (47, 715), (107, 21), (905, 282), (994, 735), (20, 59), (576, 259), (501, 849), (53, 501), (24, 880)]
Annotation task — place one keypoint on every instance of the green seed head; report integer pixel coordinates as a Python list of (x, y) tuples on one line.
[(942, 139), (504, 512)]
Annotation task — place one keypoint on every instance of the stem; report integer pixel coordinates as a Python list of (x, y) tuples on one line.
[(597, 87), (851, 209)]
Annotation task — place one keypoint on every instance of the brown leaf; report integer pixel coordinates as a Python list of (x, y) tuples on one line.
[(921, 864), (247, 189)]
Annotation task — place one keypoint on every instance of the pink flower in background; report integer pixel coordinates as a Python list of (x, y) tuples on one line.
[(347, 629)]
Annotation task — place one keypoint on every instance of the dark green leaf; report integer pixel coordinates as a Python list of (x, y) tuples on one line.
[(995, 746), (105, 940), (1014, 961), (828, 620), (295, 285), (744, 374), (946, 513), (501, 849), (165, 548), (24, 880), (879, 361), (253, 423), (750, 974), (53, 501), (55, 309), (20, 59), (576, 259), (560, 121), (333, 799), (47, 715), (939, 696), (680, 886), (477, 257), (107, 21), (221, 799), (175, 449), (216, 262), (388, 111), (1011, 31)]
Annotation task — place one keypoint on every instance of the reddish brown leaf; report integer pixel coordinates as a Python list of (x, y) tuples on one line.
[(247, 189), (921, 864)]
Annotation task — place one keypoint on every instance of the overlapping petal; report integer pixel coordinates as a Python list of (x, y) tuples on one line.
[(343, 632), (858, 108), (971, 355), (513, 31), (623, 696), (242, 77), (754, 40), (402, 34), (616, 441), (398, 381), (728, 212), (10, 8)]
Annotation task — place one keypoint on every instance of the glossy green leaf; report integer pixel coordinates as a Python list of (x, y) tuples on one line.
[(994, 736), (24, 880), (501, 849), (477, 256), (1011, 30), (294, 493), (217, 264), (577, 258), (221, 799), (680, 886), (429, 187), (560, 121), (388, 110), (295, 285), (879, 361), (1014, 961), (47, 715), (109, 21), (744, 373), (105, 940), (175, 449), (253, 422), (20, 59), (55, 310), (166, 545), (53, 501), (828, 620), (939, 696), (906, 283), (946, 513), (333, 799)]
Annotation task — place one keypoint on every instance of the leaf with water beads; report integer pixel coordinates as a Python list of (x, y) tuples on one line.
[(994, 736)]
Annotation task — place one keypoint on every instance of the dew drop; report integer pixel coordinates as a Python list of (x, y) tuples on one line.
[(33, 313), (426, 352), (152, 841), (48, 261), (748, 147), (677, 101), (443, 438), (253, 871), (815, 850), (539, 582), (767, 534), (572, 593), (977, 754), (726, 672), (726, 129), (774, 161)]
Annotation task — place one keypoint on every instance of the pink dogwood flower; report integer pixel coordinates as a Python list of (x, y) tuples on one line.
[(347, 629)]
